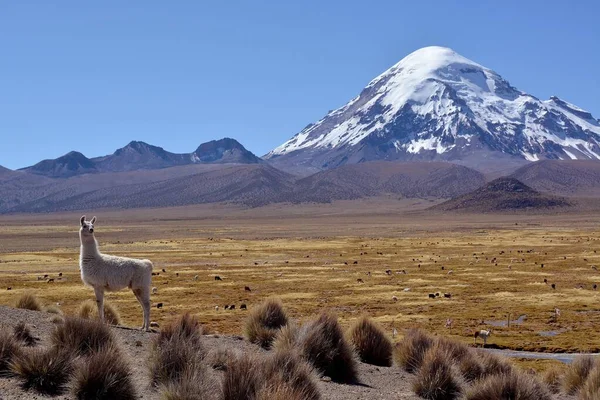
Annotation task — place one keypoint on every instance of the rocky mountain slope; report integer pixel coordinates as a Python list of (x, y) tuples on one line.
[(438, 105)]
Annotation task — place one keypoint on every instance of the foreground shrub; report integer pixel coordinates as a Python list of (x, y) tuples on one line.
[(286, 372), (322, 343), (513, 386), (577, 373), (220, 357), (22, 334), (264, 322), (370, 343), (411, 350), (104, 375), (81, 336), (9, 349), (29, 301), (287, 338), (89, 310), (553, 378), (243, 378), (193, 384), (45, 371), (437, 379), (185, 326), (591, 388), (53, 309), (176, 351), (494, 364)]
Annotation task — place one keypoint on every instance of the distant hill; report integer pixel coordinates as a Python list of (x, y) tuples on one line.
[(579, 178), (251, 185), (416, 179), (72, 163), (143, 156), (500, 195)]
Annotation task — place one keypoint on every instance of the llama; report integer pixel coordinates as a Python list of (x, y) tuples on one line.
[(482, 334), (111, 273)]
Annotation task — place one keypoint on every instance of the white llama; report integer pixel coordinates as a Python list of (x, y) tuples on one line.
[(482, 334), (111, 273)]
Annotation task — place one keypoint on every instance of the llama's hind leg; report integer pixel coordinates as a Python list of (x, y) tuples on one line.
[(143, 297), (100, 302)]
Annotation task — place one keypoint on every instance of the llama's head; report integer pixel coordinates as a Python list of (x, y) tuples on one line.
[(87, 227)]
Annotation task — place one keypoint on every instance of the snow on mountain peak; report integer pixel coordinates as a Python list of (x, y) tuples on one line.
[(436, 102)]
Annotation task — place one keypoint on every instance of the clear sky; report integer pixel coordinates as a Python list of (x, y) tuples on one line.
[(93, 75)]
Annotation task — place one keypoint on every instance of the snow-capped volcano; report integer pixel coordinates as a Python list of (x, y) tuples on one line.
[(437, 104)]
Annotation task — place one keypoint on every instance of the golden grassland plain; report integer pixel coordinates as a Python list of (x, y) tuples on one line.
[(334, 257)]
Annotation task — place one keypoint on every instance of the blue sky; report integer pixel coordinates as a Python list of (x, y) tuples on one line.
[(92, 76)]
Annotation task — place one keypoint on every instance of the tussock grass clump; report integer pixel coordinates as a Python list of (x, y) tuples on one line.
[(29, 301), (105, 374), (89, 310), (243, 378), (176, 351), (194, 384), (322, 343), (23, 334), (287, 338), (470, 367), (512, 386), (220, 357), (371, 343), (591, 388), (493, 364), (411, 350), (45, 371), (264, 322), (81, 336), (287, 373), (53, 309), (437, 378), (185, 326), (9, 350), (577, 373), (553, 378)]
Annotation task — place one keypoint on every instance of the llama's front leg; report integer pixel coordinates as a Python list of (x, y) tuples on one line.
[(100, 302)]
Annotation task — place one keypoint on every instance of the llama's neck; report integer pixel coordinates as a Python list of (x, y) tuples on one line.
[(89, 246)]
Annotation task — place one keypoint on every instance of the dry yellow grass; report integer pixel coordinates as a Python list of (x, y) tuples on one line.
[(491, 267)]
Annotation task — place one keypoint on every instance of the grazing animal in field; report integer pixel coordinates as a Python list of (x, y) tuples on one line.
[(226, 307), (111, 273), (432, 295), (553, 286), (545, 280), (9, 288), (483, 334), (216, 308), (394, 298), (218, 278), (447, 295), (50, 280), (154, 290), (159, 305), (196, 277), (243, 307), (232, 307), (60, 274), (437, 294), (360, 280), (595, 287), (388, 271), (247, 288), (449, 323)]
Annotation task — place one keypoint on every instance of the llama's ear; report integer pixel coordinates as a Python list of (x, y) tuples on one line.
[(82, 220), (93, 220)]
